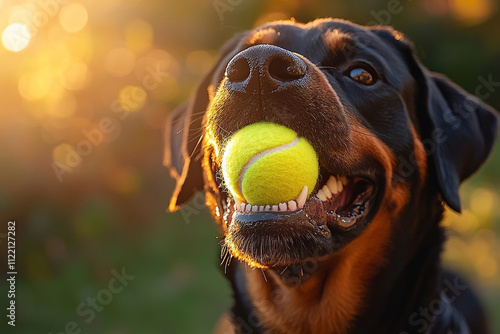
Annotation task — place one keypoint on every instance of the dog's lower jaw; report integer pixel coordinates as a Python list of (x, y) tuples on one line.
[(329, 300)]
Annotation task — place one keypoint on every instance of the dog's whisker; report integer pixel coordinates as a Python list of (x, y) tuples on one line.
[(228, 262), (199, 114), (264, 274), (197, 144), (281, 273), (229, 133), (224, 253)]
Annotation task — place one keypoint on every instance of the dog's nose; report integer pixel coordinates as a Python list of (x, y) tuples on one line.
[(264, 68)]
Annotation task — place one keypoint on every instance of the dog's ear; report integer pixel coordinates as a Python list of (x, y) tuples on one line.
[(457, 128), (463, 133), (184, 132)]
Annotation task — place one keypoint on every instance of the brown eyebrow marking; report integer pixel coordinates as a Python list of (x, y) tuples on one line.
[(264, 36), (339, 43)]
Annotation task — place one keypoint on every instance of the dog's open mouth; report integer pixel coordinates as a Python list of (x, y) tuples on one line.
[(289, 233), (344, 200)]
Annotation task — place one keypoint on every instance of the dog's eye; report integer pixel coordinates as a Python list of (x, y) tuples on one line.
[(362, 76)]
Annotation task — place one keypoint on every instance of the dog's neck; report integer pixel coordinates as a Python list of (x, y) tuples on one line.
[(344, 292)]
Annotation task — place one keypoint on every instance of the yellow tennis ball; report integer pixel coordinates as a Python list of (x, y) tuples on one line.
[(267, 164)]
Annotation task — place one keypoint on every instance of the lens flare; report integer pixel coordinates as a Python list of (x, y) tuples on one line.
[(73, 17), (16, 37)]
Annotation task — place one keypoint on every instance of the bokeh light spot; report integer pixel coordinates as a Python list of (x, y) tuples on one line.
[(466, 222), (198, 62), (74, 76), (482, 201), (125, 181), (65, 156), (73, 17), (16, 37), (472, 12), (36, 85), (139, 35), (132, 98), (63, 108), (120, 62)]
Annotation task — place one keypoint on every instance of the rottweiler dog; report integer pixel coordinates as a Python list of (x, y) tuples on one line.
[(393, 140)]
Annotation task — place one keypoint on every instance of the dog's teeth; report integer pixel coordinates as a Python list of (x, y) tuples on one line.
[(327, 191), (248, 208), (292, 205), (274, 208), (332, 185), (321, 195), (339, 185), (243, 206), (255, 208), (282, 207), (301, 199), (267, 208), (344, 180), (261, 208)]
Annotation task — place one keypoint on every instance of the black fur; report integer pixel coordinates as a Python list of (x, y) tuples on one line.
[(457, 131)]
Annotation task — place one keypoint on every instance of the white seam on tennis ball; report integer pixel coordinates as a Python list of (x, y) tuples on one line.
[(261, 155)]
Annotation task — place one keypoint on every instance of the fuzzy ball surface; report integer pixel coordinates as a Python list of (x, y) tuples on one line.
[(267, 164)]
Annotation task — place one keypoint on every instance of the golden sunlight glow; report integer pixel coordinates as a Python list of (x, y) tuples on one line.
[(464, 222), (120, 62), (36, 85), (125, 181), (472, 12), (63, 107), (73, 17), (482, 201), (66, 156), (74, 76), (484, 263), (139, 35), (16, 37), (199, 62), (132, 98)]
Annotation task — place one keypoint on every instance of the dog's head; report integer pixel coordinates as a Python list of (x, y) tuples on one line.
[(392, 138)]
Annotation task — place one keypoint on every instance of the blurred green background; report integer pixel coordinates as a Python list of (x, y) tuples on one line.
[(99, 78)]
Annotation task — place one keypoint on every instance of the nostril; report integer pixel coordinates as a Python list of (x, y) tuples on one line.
[(286, 69), (238, 70)]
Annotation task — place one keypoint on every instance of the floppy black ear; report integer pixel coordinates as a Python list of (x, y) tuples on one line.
[(184, 132), (464, 130), (457, 128)]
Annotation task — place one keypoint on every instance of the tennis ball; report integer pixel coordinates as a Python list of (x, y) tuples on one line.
[(267, 164)]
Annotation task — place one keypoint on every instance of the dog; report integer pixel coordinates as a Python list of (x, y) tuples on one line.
[(400, 140)]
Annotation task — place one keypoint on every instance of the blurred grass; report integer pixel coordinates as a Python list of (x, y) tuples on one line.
[(108, 213)]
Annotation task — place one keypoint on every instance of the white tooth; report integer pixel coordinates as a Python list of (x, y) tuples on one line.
[(327, 191), (345, 181), (301, 199), (332, 185), (282, 206), (243, 206), (274, 208), (267, 208), (339, 185), (292, 205), (248, 208), (321, 195), (255, 208), (261, 208)]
